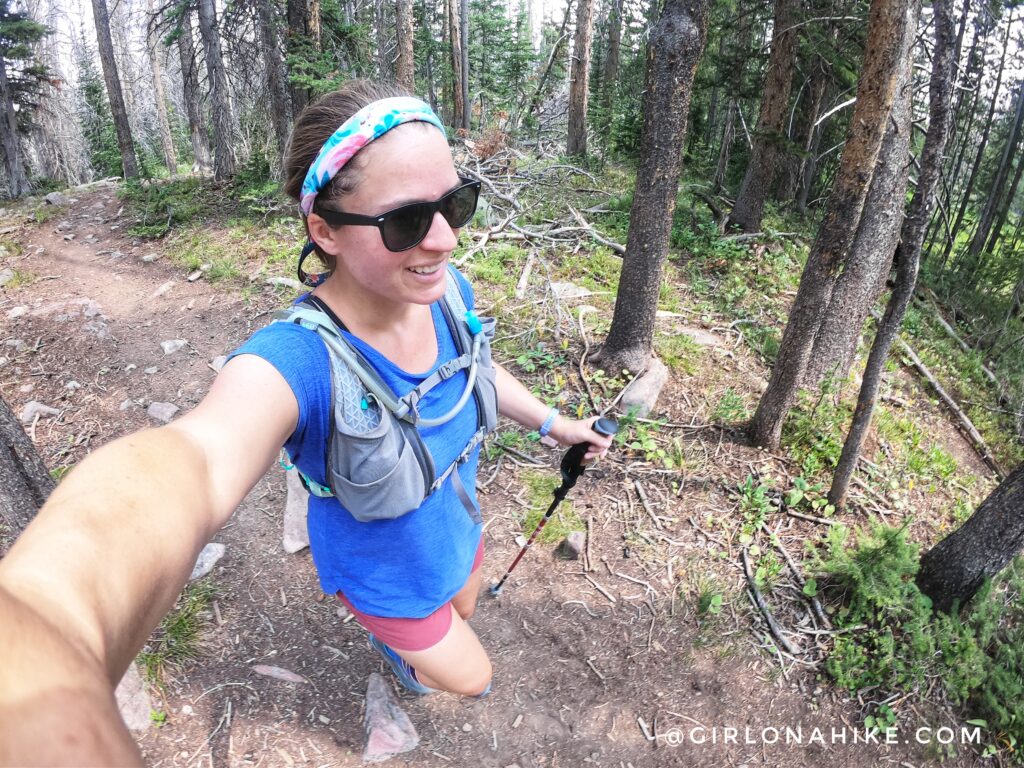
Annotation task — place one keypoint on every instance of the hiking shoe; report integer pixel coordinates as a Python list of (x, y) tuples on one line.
[(406, 674)]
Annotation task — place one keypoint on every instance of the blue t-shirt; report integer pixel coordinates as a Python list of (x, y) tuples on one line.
[(409, 566)]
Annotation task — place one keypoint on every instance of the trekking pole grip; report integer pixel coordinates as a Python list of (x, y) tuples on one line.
[(572, 463)]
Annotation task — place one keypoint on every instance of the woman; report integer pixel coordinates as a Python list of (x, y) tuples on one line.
[(111, 550)]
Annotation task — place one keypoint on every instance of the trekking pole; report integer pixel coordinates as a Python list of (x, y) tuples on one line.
[(572, 467)]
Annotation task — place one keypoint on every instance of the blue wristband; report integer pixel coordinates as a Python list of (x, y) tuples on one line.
[(549, 422)]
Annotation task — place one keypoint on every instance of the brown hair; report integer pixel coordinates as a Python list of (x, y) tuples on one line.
[(315, 124)]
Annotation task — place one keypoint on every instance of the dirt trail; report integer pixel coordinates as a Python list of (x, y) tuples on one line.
[(574, 672)]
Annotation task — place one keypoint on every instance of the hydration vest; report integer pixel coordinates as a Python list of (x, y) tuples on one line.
[(377, 464)]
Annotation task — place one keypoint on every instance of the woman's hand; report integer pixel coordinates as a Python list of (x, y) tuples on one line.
[(569, 432)]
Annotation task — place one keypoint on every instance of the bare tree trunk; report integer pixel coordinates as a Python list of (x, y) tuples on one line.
[(955, 569), (867, 267), (190, 92), (997, 187), (405, 71), (769, 135), (610, 68), (725, 148), (673, 53), (25, 482), (579, 79), (888, 24), (298, 37), (275, 74), (809, 164), (1003, 207), (467, 113), (114, 93), (908, 258), (10, 142), (556, 50), (458, 73), (170, 156), (220, 106)]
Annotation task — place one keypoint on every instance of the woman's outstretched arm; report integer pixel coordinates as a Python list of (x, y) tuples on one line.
[(108, 554)]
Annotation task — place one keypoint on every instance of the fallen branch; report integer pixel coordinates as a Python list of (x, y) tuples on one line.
[(773, 625), (619, 249), (801, 582)]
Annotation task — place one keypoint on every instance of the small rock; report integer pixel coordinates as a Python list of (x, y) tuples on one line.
[(56, 198), (162, 412), (18, 344), (13, 314), (207, 559), (69, 237), (467, 728), (642, 394), (151, 370), (324, 719), (569, 291), (389, 732), (72, 385), (218, 362), (704, 338), (287, 282), (64, 225), (26, 388), (34, 408), (6, 275), (195, 275), (4, 361), (573, 545), (173, 345), (149, 258), (125, 405), (343, 612), (278, 673), (133, 700), (296, 534), (187, 709), (130, 367), (162, 289)]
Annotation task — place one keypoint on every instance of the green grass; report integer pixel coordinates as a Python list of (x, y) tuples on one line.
[(679, 352), (540, 487), (20, 279), (731, 408), (178, 638)]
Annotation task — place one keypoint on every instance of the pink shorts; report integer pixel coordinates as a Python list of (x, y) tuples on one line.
[(412, 634)]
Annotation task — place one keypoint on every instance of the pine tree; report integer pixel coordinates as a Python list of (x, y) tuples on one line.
[(94, 114)]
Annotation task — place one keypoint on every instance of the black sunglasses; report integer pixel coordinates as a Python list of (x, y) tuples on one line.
[(405, 227)]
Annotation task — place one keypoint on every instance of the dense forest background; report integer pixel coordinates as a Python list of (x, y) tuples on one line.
[(828, 181)]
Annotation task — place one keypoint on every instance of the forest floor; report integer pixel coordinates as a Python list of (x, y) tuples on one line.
[(641, 655)]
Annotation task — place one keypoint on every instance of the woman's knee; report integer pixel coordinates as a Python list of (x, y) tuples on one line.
[(476, 684), (466, 610)]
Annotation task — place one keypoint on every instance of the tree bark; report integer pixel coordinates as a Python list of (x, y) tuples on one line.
[(458, 73), (220, 100), (610, 67), (298, 37), (405, 70), (274, 66), (114, 93), (190, 92), (944, 58), (10, 142), (25, 482), (725, 148), (769, 135), (955, 568), (1003, 208), (997, 187), (673, 53), (579, 79), (809, 163), (888, 24), (867, 267), (170, 156), (467, 113)]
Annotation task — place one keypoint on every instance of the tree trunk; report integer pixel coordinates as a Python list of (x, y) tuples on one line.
[(610, 68), (298, 38), (24, 481), (955, 568), (10, 142), (170, 156), (997, 187), (191, 95), (725, 148), (673, 52), (809, 163), (458, 73), (870, 259), (405, 71), (220, 100), (986, 131), (944, 57), (1003, 208), (274, 66), (114, 93), (467, 113), (769, 135), (888, 24), (579, 79)]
